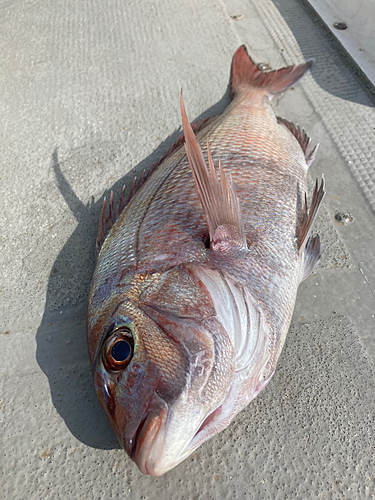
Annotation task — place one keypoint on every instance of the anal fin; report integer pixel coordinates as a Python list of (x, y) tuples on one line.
[(218, 198)]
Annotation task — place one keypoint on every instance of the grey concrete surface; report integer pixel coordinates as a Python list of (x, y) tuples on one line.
[(89, 97)]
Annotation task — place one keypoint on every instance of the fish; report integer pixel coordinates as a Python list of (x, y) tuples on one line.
[(197, 273)]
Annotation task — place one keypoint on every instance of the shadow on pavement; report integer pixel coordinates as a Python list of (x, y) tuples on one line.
[(61, 336)]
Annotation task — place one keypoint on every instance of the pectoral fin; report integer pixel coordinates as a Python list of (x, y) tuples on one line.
[(219, 200), (311, 256)]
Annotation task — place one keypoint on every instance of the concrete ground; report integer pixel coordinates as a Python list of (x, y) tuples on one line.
[(89, 97)]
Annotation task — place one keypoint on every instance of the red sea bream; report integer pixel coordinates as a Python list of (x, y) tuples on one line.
[(197, 276)]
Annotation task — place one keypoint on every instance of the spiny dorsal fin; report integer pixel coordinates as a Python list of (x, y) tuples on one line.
[(245, 73), (308, 217), (302, 138), (106, 223), (311, 256), (219, 200)]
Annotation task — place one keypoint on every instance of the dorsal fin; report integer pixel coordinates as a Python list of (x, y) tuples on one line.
[(106, 222), (308, 217), (245, 73), (219, 200), (302, 138)]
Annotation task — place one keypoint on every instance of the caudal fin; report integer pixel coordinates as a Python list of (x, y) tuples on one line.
[(245, 73)]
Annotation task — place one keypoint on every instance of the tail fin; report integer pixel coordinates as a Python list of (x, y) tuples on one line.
[(245, 73)]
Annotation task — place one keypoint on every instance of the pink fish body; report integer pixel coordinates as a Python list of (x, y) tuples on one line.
[(196, 281)]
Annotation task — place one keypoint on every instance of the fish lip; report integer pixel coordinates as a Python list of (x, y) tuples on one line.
[(149, 436), (149, 439)]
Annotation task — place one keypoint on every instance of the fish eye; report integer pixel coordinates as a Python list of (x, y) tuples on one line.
[(118, 349)]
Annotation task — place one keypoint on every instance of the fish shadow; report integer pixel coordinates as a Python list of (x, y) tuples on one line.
[(61, 337)]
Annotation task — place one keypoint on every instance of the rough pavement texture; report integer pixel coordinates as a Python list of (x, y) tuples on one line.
[(90, 97)]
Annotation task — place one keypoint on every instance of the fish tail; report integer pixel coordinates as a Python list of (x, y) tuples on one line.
[(245, 73)]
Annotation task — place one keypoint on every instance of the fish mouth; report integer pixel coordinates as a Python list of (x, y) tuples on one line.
[(149, 438), (149, 441)]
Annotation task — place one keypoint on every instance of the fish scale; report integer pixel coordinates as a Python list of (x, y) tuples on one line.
[(198, 275), (232, 140)]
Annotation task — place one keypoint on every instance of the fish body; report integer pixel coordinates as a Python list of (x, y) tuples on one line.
[(196, 282)]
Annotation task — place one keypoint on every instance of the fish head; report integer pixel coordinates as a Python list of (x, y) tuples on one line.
[(162, 364)]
